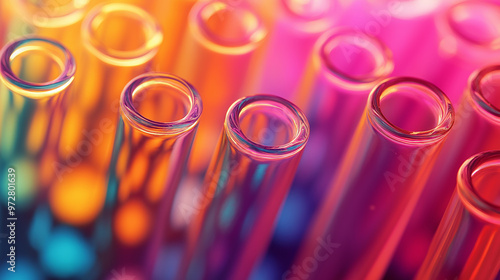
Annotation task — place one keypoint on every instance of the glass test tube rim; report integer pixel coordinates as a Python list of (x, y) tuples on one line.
[(44, 89), (381, 53), (152, 127), (146, 52), (481, 101), (469, 196), (200, 32), (462, 44), (416, 8), (310, 23), (288, 5), (62, 20), (265, 152), (383, 125)]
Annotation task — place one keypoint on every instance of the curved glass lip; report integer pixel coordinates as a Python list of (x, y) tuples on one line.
[(315, 23), (16, 84), (251, 148), (60, 20), (381, 53), (417, 8), (188, 122), (196, 26), (383, 125), (462, 45), (478, 94), (491, 46), (122, 58), (309, 17), (468, 194)]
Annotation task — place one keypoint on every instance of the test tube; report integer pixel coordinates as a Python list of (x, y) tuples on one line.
[(78, 192), (120, 41), (439, 41), (159, 115), (31, 103), (260, 146), (50, 13), (467, 42), (477, 129), (173, 17), (345, 66), (467, 243), (219, 55), (30, 123), (295, 27), (52, 19), (378, 183)]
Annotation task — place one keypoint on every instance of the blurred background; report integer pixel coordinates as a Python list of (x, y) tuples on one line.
[(133, 150)]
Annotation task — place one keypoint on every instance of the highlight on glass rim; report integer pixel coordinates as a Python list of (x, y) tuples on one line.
[(249, 139)]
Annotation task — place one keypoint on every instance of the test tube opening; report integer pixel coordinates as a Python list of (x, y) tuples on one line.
[(355, 57), (228, 26), (121, 34), (36, 67), (486, 90), (53, 14), (161, 104), (478, 185), (414, 8), (410, 110), (267, 126), (476, 22), (308, 9)]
